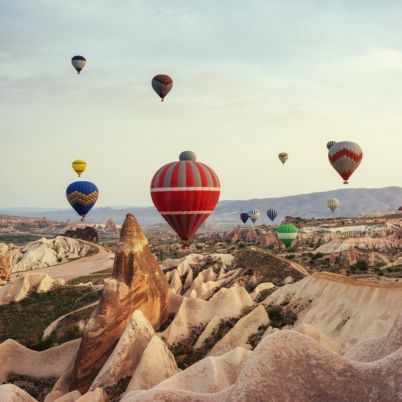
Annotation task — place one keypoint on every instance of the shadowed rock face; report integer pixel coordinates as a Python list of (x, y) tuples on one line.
[(4, 269), (137, 283)]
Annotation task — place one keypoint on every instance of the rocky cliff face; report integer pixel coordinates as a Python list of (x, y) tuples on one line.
[(4, 269), (137, 283)]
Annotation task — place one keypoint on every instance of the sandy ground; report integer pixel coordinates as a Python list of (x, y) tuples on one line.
[(82, 266)]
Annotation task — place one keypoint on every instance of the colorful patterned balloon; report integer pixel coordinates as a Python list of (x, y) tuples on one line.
[(79, 166), (162, 84), (345, 157), (185, 193), (82, 196)]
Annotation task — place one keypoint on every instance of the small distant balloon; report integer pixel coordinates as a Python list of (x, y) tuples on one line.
[(254, 214), (82, 196), (162, 84), (345, 157), (283, 157), (79, 166), (244, 217), (400, 208), (272, 214), (287, 233), (329, 144), (333, 203), (78, 62)]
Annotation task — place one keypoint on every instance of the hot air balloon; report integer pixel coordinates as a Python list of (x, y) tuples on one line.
[(345, 157), (78, 63), (400, 208), (79, 166), (283, 157), (287, 233), (162, 84), (330, 143), (272, 214), (82, 196), (244, 217), (254, 214), (333, 203), (185, 192)]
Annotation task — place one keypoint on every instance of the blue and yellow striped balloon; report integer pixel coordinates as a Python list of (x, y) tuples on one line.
[(82, 196)]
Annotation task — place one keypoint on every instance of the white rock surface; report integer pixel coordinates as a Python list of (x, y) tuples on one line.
[(20, 360), (332, 344), (156, 365), (344, 308), (19, 288), (127, 354), (12, 393), (239, 335), (209, 375)]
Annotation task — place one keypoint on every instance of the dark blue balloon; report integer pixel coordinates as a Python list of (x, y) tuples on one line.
[(82, 196), (272, 214), (244, 217)]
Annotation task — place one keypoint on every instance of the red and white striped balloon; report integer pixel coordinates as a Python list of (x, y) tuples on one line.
[(345, 157), (185, 192)]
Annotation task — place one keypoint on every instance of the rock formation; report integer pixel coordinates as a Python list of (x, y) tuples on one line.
[(88, 234), (44, 253), (4, 269), (137, 283)]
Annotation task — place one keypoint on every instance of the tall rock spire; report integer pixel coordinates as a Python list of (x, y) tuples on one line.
[(137, 283)]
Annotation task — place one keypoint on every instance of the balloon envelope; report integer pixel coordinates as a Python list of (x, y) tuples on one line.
[(283, 157), (333, 203), (400, 208), (185, 193), (272, 214), (78, 62), (79, 166), (345, 157), (244, 217), (330, 143), (287, 233), (82, 196), (162, 84), (254, 214)]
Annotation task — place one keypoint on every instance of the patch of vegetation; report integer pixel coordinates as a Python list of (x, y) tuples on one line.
[(255, 339), (316, 256), (26, 320), (184, 352), (279, 318), (264, 294), (96, 279), (114, 392), (36, 387), (361, 266), (262, 266)]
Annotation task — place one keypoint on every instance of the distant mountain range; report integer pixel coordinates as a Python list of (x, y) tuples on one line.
[(354, 202)]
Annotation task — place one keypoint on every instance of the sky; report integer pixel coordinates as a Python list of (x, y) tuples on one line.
[(251, 79)]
